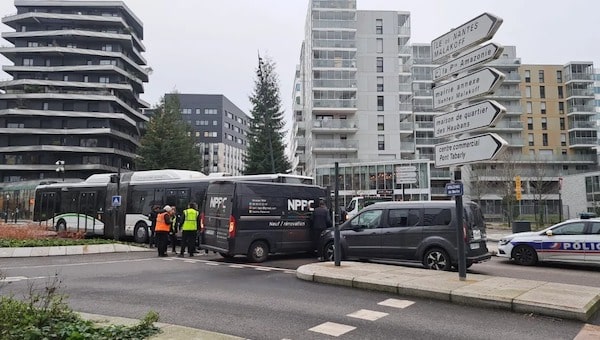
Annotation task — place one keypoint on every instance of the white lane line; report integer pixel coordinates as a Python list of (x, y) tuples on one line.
[(211, 264), (21, 278), (366, 314), (78, 264), (332, 328), (264, 269), (235, 266), (396, 303)]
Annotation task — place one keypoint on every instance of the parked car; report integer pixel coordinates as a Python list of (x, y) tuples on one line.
[(574, 241), (419, 231)]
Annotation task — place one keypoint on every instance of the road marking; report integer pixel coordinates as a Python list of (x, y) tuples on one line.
[(396, 303), (366, 314), (332, 328), (264, 269), (235, 266), (22, 278), (78, 264), (588, 332)]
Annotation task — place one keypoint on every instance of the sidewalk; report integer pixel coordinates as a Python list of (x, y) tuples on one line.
[(522, 296), (70, 250)]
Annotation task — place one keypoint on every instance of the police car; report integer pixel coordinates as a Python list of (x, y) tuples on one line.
[(576, 241)]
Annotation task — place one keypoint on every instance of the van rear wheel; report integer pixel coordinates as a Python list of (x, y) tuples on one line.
[(437, 259), (258, 251)]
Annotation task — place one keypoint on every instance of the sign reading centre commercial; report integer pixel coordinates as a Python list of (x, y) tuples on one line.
[(476, 84), (476, 31), (468, 61), (469, 118), (473, 149)]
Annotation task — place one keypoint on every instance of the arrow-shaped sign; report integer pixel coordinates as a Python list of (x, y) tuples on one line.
[(473, 149), (468, 61), (475, 84), (469, 118), (473, 32)]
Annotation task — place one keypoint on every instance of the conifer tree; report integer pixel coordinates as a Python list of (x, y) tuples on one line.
[(168, 142), (266, 151)]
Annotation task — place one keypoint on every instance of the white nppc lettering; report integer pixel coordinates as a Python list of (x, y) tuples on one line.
[(298, 204), (216, 201)]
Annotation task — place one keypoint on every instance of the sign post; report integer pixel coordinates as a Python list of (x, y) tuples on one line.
[(480, 115)]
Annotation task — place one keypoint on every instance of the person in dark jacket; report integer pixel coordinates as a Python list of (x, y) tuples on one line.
[(152, 217), (175, 225), (321, 220)]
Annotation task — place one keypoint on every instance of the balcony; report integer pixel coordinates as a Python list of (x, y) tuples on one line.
[(405, 107), (334, 43), (583, 141), (334, 104), (583, 109), (506, 93), (429, 141), (406, 88), (579, 77), (334, 125), (320, 145), (580, 93), (424, 125), (512, 77), (330, 83), (407, 127), (407, 146), (583, 125), (423, 93), (514, 142), (334, 63), (405, 50), (508, 125), (441, 174)]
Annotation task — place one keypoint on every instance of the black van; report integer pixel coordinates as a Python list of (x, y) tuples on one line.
[(256, 219), (419, 231)]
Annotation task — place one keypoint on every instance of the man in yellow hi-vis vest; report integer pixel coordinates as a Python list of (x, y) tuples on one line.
[(189, 229)]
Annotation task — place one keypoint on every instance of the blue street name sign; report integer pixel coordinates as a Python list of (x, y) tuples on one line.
[(454, 189)]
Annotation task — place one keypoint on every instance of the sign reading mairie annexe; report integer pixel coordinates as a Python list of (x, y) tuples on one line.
[(475, 84)]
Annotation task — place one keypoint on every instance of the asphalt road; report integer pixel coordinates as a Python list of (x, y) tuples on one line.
[(263, 301)]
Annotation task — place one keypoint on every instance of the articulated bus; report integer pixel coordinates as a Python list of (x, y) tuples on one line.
[(88, 206)]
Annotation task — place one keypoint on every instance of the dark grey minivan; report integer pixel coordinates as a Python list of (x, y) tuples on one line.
[(418, 231)]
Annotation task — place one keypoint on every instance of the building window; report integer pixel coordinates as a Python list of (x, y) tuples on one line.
[(560, 92), (71, 45), (66, 78), (530, 137), (107, 48), (529, 108), (32, 44), (563, 139), (379, 45), (379, 103), (561, 107), (215, 122), (379, 84), (186, 111), (559, 76), (198, 111), (562, 123), (105, 80), (380, 123), (27, 62), (544, 123), (528, 91), (378, 26), (529, 123), (210, 111), (86, 79), (543, 107), (544, 139), (527, 76), (541, 75), (380, 142), (379, 64), (197, 134), (210, 134), (45, 106), (542, 91)]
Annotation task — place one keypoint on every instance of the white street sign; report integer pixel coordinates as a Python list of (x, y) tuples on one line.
[(406, 174), (467, 61), (469, 150), (476, 31), (406, 180), (406, 168), (472, 117), (475, 84)]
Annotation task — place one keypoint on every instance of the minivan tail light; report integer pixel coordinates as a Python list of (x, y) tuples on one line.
[(466, 236), (231, 227), (202, 221)]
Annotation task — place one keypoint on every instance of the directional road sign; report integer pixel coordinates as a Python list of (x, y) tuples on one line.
[(406, 180), (473, 149), (467, 61), (475, 84), (476, 31), (473, 117)]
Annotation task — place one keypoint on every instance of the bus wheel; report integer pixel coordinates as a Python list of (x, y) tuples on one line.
[(258, 251), (140, 233), (61, 225)]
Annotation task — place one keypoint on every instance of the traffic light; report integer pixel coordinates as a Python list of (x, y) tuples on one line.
[(518, 188)]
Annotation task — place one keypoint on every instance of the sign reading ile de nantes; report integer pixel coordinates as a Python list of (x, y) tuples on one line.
[(475, 31)]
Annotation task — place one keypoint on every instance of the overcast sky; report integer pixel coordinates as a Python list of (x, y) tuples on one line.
[(210, 47)]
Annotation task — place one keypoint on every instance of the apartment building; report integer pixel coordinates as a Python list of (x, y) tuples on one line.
[(362, 98), (72, 108), (220, 129)]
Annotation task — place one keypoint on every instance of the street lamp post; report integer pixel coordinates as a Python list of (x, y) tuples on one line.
[(61, 168)]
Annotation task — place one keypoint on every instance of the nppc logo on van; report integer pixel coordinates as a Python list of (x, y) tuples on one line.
[(216, 201), (297, 204)]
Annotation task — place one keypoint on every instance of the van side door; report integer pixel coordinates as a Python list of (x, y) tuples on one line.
[(401, 233), (363, 234)]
